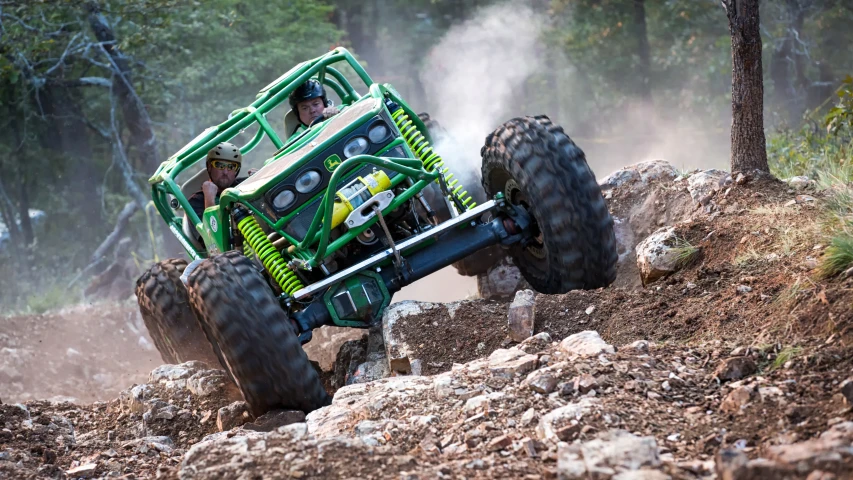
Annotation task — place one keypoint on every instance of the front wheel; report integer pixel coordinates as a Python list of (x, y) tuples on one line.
[(257, 340), (538, 167)]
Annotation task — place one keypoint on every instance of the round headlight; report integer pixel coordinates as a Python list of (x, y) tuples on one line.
[(284, 199), (356, 146), (308, 181), (377, 133)]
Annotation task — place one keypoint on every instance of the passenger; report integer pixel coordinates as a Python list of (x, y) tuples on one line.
[(223, 165)]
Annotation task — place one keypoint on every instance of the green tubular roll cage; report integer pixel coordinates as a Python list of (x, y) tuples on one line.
[(315, 245)]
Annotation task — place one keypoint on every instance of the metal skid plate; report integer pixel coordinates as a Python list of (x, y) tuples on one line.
[(356, 301)]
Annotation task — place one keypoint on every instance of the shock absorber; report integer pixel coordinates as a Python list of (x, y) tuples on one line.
[(432, 160), (266, 252)]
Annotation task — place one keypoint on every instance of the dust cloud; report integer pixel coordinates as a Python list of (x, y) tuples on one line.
[(476, 76), (472, 74)]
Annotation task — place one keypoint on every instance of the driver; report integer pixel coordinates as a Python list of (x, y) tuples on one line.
[(309, 102)]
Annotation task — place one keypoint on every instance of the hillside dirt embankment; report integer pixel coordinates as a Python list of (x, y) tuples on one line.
[(734, 364)]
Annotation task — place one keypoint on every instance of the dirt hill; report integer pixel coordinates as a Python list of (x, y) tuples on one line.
[(734, 361)]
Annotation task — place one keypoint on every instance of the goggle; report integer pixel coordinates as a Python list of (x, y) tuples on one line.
[(224, 165)]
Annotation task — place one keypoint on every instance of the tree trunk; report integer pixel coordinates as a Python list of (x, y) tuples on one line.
[(142, 138), (642, 39), (749, 146)]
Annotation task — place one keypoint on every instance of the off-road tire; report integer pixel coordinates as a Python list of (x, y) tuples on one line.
[(166, 311), (257, 340), (478, 262), (535, 164)]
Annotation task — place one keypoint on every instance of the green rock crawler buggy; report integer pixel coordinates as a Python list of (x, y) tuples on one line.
[(336, 222)]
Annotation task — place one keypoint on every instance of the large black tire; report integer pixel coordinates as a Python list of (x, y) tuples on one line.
[(536, 165), (478, 262), (166, 312), (257, 340)]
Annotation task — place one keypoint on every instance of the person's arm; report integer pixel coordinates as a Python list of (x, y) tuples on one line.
[(210, 190)]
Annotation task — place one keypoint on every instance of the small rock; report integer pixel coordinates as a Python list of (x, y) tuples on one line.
[(744, 289), (589, 310), (737, 399), (232, 416), (48, 456), (541, 382), (274, 419), (499, 443), (847, 390), (528, 417), (641, 475), (639, 346), (585, 383), (735, 368), (799, 182), (741, 179), (810, 263), (585, 344), (205, 417), (553, 421), (442, 385), (536, 343), (730, 464), (613, 451), (83, 471), (508, 363), (521, 315)]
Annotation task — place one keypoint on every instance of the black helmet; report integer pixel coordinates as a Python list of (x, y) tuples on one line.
[(308, 90)]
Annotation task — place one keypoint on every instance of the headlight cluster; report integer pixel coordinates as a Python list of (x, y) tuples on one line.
[(376, 134), (311, 179)]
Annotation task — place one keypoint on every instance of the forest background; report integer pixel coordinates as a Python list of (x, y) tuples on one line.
[(94, 95)]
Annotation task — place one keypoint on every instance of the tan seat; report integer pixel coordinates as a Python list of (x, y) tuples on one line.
[(189, 188), (291, 122)]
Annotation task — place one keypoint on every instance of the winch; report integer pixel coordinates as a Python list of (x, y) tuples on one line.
[(358, 192)]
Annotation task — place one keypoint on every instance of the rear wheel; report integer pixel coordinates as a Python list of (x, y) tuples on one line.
[(257, 340), (537, 166), (166, 312)]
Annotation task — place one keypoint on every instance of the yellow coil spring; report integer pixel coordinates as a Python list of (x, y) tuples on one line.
[(432, 160), (269, 256)]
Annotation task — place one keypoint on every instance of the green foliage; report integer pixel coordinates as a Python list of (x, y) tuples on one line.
[(838, 256), (786, 354), (685, 252), (823, 150), (839, 120)]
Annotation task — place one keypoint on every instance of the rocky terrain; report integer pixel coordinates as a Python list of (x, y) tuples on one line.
[(718, 354)]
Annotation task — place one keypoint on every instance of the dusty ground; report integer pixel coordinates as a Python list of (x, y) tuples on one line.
[(83, 353), (750, 295)]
